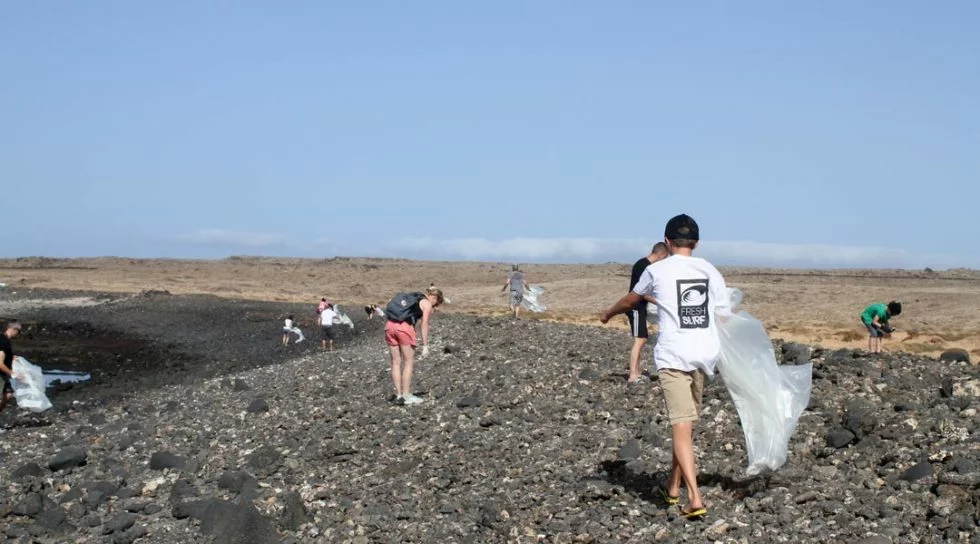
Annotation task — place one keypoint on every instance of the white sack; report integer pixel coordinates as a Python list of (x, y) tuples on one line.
[(530, 301), (769, 397), (29, 386)]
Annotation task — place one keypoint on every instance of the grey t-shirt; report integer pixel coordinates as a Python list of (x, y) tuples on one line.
[(516, 281)]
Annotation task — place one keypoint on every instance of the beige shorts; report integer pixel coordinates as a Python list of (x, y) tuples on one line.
[(682, 392)]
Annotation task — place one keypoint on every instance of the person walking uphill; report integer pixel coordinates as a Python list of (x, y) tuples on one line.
[(403, 313), (688, 291), (875, 317), (517, 284), (638, 315)]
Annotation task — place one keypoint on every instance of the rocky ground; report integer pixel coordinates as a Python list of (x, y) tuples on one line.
[(198, 426)]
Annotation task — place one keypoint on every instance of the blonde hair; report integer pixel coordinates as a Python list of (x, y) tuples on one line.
[(436, 292)]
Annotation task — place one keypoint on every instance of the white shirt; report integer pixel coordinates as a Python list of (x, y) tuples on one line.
[(288, 324), (688, 291), (326, 317)]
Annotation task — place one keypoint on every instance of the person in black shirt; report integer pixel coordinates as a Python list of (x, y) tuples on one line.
[(638, 315), (7, 362)]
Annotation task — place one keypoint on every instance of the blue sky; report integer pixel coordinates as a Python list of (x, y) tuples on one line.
[(799, 134)]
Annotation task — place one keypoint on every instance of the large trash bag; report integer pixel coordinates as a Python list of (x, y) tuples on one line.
[(29, 386), (342, 318), (769, 397), (530, 301)]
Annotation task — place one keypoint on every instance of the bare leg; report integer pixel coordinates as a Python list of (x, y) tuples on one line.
[(396, 369), (408, 354), (4, 399), (684, 457), (674, 480), (635, 358), (285, 338), (331, 344)]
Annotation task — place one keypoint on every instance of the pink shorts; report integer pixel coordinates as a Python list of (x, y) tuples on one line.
[(399, 334)]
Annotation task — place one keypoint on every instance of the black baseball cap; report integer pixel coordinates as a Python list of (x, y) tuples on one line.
[(682, 227)]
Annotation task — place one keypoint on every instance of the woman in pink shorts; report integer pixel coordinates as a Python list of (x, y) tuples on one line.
[(403, 312)]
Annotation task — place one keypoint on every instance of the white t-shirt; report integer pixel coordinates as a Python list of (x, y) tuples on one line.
[(288, 324), (688, 291), (326, 317)]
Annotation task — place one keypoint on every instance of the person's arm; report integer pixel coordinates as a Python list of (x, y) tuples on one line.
[(624, 305), (649, 299), (506, 285), (426, 312), (876, 322), (3, 365), (719, 294)]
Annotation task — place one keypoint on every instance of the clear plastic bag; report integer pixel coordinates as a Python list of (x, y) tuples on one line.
[(769, 397), (29, 386), (530, 301)]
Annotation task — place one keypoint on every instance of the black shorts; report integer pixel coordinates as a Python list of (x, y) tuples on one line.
[(7, 387), (638, 322), (327, 332)]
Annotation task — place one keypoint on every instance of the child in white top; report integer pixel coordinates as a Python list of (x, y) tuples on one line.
[(289, 326)]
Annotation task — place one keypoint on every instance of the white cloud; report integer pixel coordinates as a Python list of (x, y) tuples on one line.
[(219, 237), (746, 253)]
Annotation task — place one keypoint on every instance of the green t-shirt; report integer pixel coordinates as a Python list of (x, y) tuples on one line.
[(880, 310)]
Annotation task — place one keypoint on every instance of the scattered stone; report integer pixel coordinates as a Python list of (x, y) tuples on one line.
[(258, 406), (237, 481), (955, 355), (68, 458), (236, 523), (119, 523), (294, 511), (839, 438), (265, 461), (164, 459), (30, 506), (794, 353), (859, 418), (922, 469), (27, 470)]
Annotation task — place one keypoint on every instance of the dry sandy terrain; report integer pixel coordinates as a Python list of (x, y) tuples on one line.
[(812, 306)]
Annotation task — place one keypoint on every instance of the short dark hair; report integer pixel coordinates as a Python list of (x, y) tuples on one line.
[(894, 308), (659, 247), (684, 243)]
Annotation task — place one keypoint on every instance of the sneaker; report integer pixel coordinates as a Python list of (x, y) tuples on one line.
[(412, 399)]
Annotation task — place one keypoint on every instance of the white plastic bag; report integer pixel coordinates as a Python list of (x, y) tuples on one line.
[(342, 318), (530, 301), (769, 397), (29, 386)]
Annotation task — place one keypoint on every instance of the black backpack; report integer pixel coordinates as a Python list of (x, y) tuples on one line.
[(404, 307)]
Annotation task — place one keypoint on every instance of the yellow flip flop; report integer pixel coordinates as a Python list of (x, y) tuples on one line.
[(671, 501), (696, 514)]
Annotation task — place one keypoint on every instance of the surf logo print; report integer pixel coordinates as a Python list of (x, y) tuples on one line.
[(692, 303)]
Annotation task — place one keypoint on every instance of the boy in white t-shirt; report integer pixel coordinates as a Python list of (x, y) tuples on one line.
[(688, 291), (327, 316)]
